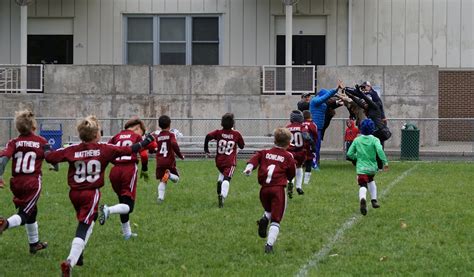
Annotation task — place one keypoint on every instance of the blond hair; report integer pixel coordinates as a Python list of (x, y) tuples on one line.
[(25, 121), (88, 128), (282, 137)]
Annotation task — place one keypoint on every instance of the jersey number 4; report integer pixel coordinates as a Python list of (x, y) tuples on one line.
[(89, 171)]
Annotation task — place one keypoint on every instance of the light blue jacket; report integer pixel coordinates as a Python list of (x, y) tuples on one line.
[(318, 106)]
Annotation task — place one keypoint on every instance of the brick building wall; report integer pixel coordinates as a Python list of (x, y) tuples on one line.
[(456, 100)]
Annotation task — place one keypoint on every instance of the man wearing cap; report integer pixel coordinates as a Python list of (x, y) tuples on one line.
[(303, 104), (366, 87)]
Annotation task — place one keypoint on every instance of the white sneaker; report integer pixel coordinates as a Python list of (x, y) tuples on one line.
[(132, 235), (104, 214)]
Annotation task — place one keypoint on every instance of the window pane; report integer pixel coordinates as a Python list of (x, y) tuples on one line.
[(172, 29), (172, 53), (140, 29), (205, 29), (205, 53), (140, 53)]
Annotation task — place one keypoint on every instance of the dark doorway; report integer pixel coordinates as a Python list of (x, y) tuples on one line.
[(50, 49), (307, 50)]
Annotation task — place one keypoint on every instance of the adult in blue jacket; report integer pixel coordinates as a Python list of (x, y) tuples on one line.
[(318, 107)]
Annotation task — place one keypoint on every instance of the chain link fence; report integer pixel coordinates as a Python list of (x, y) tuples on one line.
[(439, 138)]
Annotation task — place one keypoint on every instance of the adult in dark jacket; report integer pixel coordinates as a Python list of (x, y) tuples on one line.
[(303, 104), (332, 104), (366, 87), (318, 107), (373, 112)]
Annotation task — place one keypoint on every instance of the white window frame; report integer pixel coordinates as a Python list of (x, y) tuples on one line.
[(188, 34)]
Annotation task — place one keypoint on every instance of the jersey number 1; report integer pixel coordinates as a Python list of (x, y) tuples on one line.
[(270, 170)]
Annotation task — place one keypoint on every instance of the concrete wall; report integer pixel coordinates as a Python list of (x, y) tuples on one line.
[(406, 91), (209, 91)]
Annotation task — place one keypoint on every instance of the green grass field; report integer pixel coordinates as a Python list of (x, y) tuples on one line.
[(424, 227)]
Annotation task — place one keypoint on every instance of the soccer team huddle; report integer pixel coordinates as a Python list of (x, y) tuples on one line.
[(288, 162)]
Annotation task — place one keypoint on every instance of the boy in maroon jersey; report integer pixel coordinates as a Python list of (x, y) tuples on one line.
[(297, 147), (87, 162), (226, 154), (310, 145), (167, 147), (276, 167), (28, 151), (123, 175)]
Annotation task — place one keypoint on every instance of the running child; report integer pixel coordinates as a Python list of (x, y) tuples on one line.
[(87, 163), (28, 151), (310, 145), (167, 147), (226, 153), (350, 134), (364, 151), (123, 175), (276, 167), (298, 137)]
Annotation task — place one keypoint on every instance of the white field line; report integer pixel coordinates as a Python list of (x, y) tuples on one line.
[(324, 251)]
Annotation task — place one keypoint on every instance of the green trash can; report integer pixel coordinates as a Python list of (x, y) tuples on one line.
[(410, 145)]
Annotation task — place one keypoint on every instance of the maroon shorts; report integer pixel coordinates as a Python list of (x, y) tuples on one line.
[(86, 203), (26, 192), (160, 171), (300, 158), (273, 199), (227, 171), (363, 179), (124, 179)]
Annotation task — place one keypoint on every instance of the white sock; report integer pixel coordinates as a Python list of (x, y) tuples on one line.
[(220, 178), (174, 178), (299, 177), (161, 191), (89, 233), (225, 188), (32, 232), (126, 230), (119, 209), (268, 215), (14, 221), (77, 247), (373, 190), (307, 177), (273, 233), (362, 193)]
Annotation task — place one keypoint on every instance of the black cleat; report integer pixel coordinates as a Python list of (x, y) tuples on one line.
[(35, 247), (268, 249), (363, 206), (290, 190), (3, 224), (220, 199), (262, 226), (219, 187), (80, 261), (375, 204), (300, 191)]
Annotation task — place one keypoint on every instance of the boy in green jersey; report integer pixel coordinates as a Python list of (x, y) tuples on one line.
[(364, 150)]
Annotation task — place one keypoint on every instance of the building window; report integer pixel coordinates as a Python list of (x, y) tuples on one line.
[(140, 40), (172, 40)]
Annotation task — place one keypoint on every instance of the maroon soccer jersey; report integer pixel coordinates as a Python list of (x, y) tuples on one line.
[(167, 147), (297, 141), (227, 142), (126, 138), (87, 162), (28, 155), (276, 166), (312, 129)]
